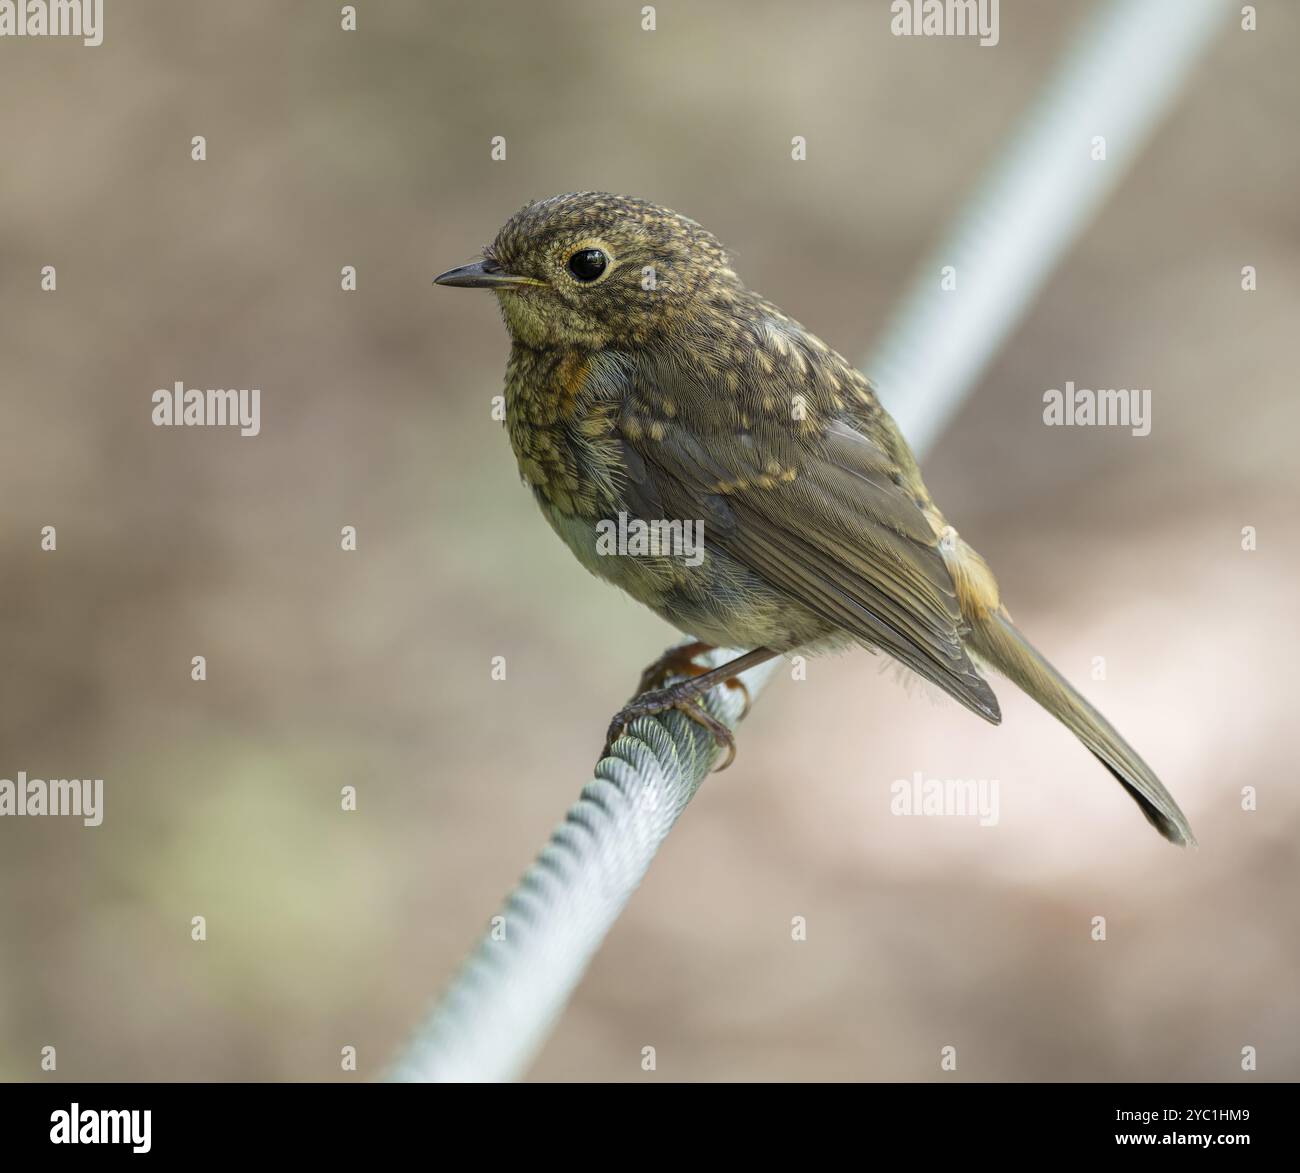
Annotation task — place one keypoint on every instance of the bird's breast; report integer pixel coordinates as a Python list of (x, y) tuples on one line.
[(560, 414)]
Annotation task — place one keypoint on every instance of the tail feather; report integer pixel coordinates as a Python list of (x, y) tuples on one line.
[(995, 638)]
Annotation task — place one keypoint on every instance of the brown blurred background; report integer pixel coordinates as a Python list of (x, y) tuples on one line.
[(371, 668)]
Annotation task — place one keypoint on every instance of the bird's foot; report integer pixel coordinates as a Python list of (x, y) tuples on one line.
[(680, 661), (685, 698)]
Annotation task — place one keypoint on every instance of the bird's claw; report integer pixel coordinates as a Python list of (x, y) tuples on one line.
[(680, 661), (736, 682), (663, 700)]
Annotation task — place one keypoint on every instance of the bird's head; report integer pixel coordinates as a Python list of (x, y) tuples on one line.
[(595, 270)]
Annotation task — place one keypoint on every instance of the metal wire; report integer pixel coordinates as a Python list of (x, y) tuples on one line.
[(500, 1008), (1122, 73)]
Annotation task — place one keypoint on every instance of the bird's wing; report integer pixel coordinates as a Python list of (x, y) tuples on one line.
[(825, 518)]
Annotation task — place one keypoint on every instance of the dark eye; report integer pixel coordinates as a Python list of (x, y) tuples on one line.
[(587, 264)]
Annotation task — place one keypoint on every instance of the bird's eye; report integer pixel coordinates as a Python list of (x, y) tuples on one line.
[(587, 264)]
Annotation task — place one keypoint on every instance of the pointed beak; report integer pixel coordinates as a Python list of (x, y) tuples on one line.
[(485, 274)]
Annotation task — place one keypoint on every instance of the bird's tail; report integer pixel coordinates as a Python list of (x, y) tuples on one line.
[(995, 638)]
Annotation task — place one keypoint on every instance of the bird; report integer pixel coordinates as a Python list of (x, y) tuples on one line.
[(646, 382)]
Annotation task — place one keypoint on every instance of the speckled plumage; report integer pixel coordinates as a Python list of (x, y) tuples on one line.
[(666, 389)]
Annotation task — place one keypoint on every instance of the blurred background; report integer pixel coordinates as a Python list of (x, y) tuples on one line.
[(372, 669)]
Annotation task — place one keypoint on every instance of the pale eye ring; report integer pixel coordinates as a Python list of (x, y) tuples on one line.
[(587, 264)]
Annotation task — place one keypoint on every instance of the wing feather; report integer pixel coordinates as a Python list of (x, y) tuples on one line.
[(844, 537)]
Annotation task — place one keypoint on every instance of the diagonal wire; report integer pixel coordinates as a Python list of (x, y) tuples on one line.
[(499, 1009)]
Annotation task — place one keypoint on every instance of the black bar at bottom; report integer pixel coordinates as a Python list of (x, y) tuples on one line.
[(619, 1122)]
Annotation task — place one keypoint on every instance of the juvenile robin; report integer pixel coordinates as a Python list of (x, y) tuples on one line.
[(646, 382)]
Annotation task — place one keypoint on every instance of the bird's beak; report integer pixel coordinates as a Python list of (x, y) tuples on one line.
[(484, 274)]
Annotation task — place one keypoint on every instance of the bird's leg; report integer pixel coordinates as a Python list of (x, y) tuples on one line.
[(680, 661), (684, 696)]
